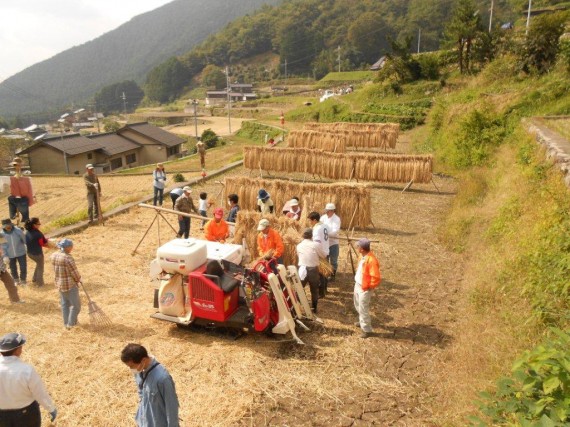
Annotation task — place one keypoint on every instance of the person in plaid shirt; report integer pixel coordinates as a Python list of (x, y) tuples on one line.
[(67, 279)]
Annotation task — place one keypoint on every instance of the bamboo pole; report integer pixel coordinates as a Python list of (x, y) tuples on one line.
[(172, 211)]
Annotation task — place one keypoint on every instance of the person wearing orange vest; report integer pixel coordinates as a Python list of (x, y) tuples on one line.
[(367, 278), (269, 242), (217, 230)]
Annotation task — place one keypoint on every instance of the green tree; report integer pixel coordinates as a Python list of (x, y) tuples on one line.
[(165, 82), (111, 125), (110, 98), (209, 138), (368, 36), (543, 42), (213, 76), (462, 30)]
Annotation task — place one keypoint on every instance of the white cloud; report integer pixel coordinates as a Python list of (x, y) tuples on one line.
[(35, 30)]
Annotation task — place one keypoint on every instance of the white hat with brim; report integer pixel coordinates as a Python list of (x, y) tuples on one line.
[(188, 189), (89, 166), (263, 224)]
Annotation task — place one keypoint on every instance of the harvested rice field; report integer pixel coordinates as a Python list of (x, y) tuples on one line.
[(335, 379)]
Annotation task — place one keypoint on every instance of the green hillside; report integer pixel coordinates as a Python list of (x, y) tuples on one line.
[(126, 53)]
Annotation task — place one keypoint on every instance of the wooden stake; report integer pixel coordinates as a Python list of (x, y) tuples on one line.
[(408, 185), (433, 182), (144, 235)]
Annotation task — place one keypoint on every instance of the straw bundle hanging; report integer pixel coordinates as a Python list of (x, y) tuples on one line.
[(347, 197), (361, 135), (391, 168), (335, 143)]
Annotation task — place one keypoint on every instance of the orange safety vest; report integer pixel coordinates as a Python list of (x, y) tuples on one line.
[(371, 276), (216, 231), (272, 241)]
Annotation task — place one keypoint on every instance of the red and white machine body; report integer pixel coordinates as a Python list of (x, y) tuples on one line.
[(216, 290)]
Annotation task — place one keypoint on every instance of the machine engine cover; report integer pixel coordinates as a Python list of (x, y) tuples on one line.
[(182, 255)]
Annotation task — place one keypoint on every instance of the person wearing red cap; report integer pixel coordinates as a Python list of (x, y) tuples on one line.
[(217, 230)]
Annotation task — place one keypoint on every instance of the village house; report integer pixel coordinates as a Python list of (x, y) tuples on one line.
[(133, 145), (238, 92)]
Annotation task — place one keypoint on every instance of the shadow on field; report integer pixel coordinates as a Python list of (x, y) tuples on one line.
[(389, 232), (416, 333), (117, 330)]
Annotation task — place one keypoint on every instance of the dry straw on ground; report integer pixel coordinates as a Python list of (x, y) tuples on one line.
[(348, 197), (335, 143), (388, 168), (361, 135)]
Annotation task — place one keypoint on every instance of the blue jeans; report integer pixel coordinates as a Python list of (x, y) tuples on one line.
[(70, 306), (21, 204), (333, 256), (184, 227), (205, 215), (158, 193), (21, 261)]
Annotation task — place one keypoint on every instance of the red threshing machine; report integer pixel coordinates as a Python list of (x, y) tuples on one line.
[(201, 282)]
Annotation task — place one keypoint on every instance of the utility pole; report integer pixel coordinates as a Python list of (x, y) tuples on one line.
[(419, 38), (94, 105), (528, 16), (491, 16), (285, 71), (195, 104), (124, 98), (338, 59), (229, 99)]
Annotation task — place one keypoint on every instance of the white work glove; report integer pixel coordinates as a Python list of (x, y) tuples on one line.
[(96, 186), (6, 260)]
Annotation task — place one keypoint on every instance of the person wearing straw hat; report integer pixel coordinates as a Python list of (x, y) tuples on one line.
[(184, 204), (158, 402), (366, 279), (264, 203), (332, 221), (22, 391), (201, 150), (7, 279), (217, 230), (14, 248), (93, 191), (269, 242), (309, 254), (159, 180), (67, 280), (21, 196)]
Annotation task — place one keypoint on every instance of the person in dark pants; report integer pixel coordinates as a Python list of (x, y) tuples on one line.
[(93, 192), (184, 204), (35, 241), (21, 192), (6, 278), (22, 391), (309, 253), (175, 194), (159, 180)]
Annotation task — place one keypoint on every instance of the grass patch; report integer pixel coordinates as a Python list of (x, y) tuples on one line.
[(349, 76)]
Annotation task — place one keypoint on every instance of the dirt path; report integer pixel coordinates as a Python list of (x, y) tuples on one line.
[(336, 379)]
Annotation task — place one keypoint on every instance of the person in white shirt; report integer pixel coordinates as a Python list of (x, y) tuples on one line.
[(21, 388), (309, 253), (321, 236), (332, 221)]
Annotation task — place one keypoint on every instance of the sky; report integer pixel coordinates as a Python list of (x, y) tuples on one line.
[(34, 30)]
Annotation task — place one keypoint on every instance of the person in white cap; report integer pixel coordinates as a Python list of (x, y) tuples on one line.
[(294, 210), (22, 391), (269, 242), (93, 192), (321, 236), (366, 279), (184, 204), (67, 280), (332, 221)]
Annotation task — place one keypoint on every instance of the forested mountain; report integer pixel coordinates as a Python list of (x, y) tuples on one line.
[(126, 53), (311, 35)]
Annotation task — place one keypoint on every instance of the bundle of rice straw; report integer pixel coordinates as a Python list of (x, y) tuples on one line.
[(325, 268), (347, 197), (379, 167), (325, 141), (361, 135), (290, 231)]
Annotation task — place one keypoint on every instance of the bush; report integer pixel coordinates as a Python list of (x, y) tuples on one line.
[(210, 138), (179, 178), (429, 67), (538, 390)]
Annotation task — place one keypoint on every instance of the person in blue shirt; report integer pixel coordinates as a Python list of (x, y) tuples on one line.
[(234, 207), (158, 406), (15, 249)]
